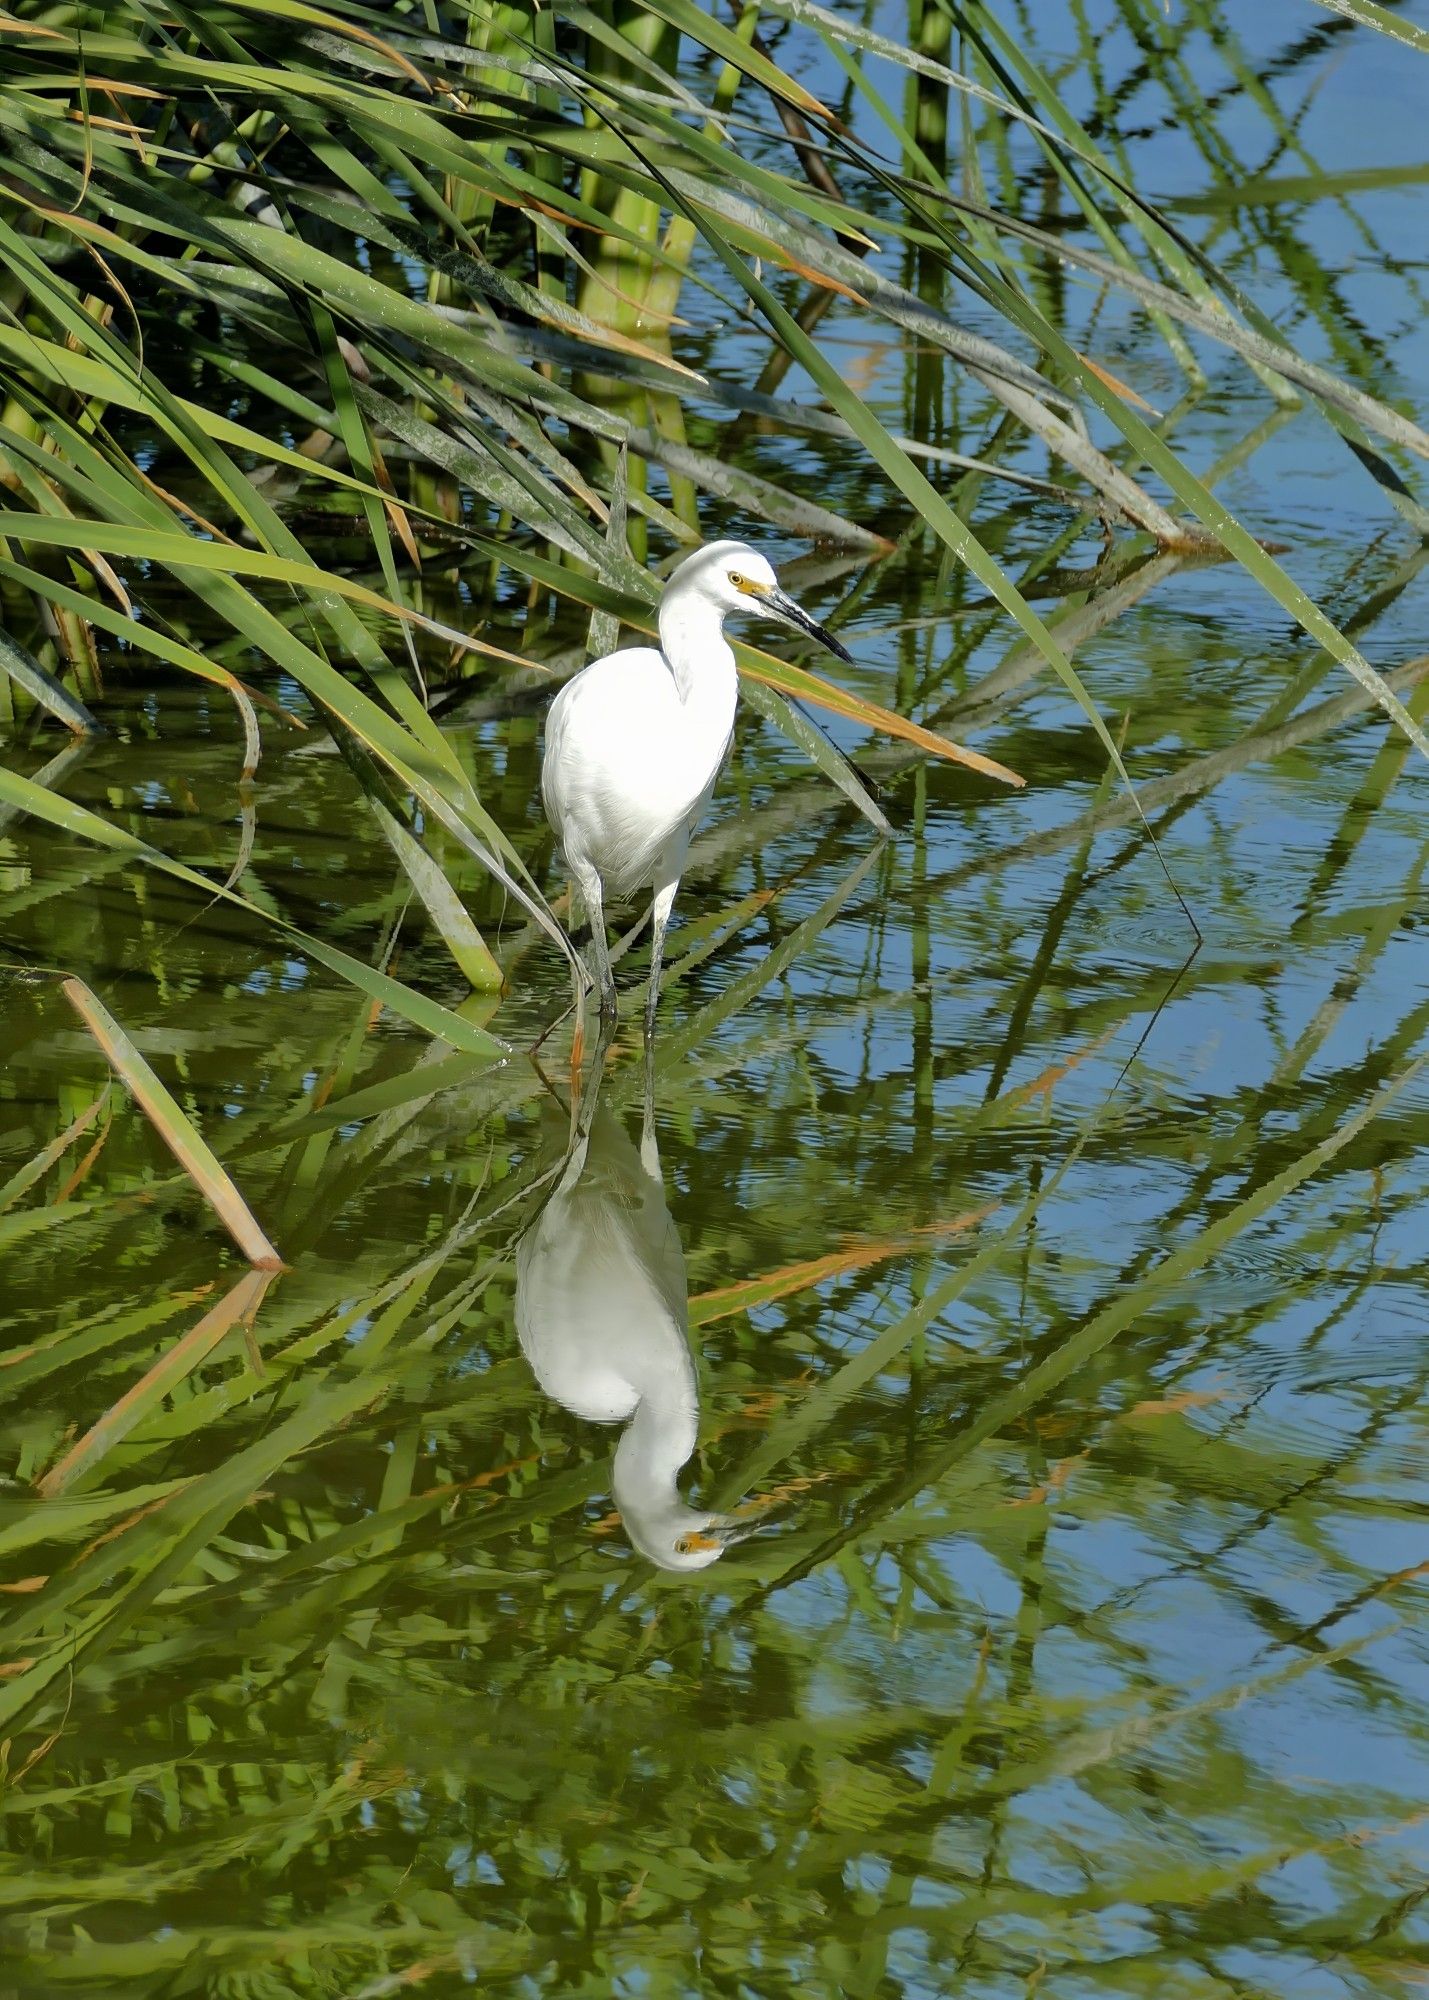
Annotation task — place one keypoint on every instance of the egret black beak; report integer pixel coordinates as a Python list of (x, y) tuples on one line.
[(780, 605), (754, 1517), (726, 1532)]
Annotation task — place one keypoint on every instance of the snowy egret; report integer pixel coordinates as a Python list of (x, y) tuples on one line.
[(602, 1315), (635, 741)]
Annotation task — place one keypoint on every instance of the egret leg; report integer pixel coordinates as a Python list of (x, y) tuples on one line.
[(588, 883), (577, 1048), (649, 1146), (580, 986), (647, 1125), (660, 915)]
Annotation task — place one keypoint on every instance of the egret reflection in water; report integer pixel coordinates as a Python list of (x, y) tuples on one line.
[(602, 1314)]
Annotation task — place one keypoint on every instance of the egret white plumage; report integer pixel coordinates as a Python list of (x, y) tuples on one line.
[(635, 741), (602, 1315)]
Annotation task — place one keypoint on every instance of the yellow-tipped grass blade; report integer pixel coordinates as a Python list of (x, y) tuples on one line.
[(239, 1303), (175, 1129)]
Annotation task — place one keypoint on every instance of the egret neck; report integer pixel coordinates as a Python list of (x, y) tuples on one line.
[(656, 1443), (701, 659)]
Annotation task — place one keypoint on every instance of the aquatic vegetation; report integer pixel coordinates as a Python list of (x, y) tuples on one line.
[(1046, 1180)]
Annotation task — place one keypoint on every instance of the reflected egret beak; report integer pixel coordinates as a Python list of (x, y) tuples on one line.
[(755, 1517), (780, 605), (730, 1533)]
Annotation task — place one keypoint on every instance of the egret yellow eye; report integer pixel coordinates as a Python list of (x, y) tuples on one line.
[(737, 580)]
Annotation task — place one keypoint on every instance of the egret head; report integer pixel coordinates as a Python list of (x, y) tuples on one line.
[(735, 577), (682, 1539)]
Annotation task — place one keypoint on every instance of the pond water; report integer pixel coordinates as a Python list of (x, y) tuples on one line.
[(1047, 1211)]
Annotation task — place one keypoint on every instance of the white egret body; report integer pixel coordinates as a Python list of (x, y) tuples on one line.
[(635, 741)]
